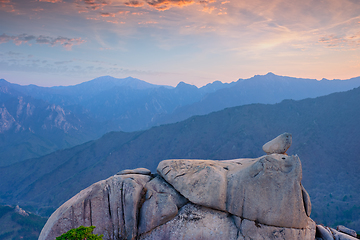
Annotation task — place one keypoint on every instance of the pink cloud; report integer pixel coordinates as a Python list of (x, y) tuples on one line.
[(22, 38), (134, 3), (67, 43), (7, 6), (333, 41)]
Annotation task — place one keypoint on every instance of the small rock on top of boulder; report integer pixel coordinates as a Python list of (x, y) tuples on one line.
[(280, 144)]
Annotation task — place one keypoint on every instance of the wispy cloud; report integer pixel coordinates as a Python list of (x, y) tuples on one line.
[(65, 42), (334, 41)]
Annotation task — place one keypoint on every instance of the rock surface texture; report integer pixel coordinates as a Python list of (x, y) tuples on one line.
[(343, 233), (240, 199)]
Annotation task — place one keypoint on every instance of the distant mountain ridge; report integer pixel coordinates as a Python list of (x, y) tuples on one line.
[(269, 88), (71, 115), (325, 136)]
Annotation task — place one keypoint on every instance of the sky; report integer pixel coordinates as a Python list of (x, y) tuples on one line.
[(66, 42)]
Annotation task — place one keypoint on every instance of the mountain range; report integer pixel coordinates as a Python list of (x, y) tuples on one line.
[(325, 136), (36, 121)]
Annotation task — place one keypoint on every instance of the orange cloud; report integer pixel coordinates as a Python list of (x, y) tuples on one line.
[(162, 5), (51, 1), (108, 14), (134, 3), (206, 1), (112, 15)]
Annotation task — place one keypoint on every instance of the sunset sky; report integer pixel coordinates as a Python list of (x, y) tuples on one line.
[(65, 42)]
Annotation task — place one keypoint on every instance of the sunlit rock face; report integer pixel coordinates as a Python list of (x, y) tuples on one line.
[(260, 198)]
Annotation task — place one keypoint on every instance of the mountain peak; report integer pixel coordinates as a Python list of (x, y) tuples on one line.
[(3, 81), (270, 74), (184, 85)]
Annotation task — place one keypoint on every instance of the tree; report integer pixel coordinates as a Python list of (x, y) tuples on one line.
[(80, 233)]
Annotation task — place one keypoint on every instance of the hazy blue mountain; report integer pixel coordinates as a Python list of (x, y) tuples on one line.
[(269, 88), (127, 104), (130, 104), (81, 91), (134, 109), (31, 127), (108, 104), (325, 136)]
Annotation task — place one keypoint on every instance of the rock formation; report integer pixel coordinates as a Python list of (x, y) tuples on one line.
[(260, 198), (280, 144)]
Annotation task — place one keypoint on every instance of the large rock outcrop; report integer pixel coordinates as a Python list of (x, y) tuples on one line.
[(267, 189), (260, 198)]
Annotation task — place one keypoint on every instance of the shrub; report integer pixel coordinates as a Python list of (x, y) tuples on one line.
[(80, 233)]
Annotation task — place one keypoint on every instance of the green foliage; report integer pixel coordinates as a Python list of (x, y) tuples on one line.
[(32, 221), (80, 233)]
